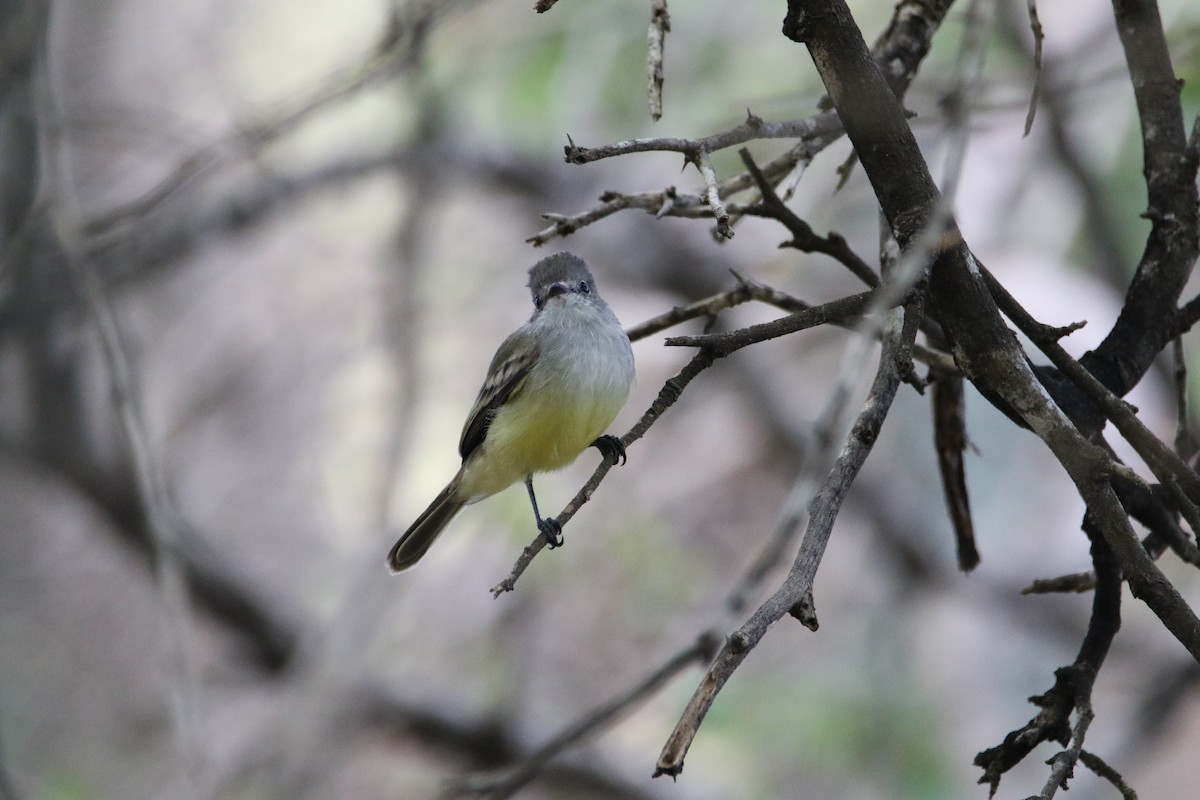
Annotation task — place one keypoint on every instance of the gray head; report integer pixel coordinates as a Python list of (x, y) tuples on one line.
[(562, 274)]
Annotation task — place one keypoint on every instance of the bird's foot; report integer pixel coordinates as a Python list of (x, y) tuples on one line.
[(611, 449), (552, 532)]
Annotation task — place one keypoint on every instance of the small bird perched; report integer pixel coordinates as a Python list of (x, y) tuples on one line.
[(552, 388)]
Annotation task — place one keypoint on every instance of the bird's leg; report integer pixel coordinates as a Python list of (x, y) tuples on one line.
[(550, 529), (611, 449)]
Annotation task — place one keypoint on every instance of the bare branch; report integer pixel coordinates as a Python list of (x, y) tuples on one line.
[(1035, 25), (1103, 770), (610, 712), (820, 128), (666, 398), (950, 442), (803, 237), (712, 194), (1162, 460), (712, 347), (825, 507), (722, 344), (1076, 582), (1072, 690), (668, 202), (660, 25)]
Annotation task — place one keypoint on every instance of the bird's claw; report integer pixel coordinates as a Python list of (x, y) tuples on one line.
[(611, 449), (552, 532)]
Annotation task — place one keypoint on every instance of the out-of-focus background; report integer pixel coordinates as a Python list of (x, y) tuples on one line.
[(310, 218)]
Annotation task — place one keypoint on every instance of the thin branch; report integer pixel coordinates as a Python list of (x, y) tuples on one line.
[(708, 307), (660, 25), (1191, 161), (608, 713), (1103, 770), (819, 128), (1035, 25), (670, 203), (666, 398), (950, 442), (824, 509), (1063, 763), (1073, 684), (899, 51), (712, 194), (722, 344), (803, 236), (1167, 466), (712, 347), (1186, 444), (1076, 582)]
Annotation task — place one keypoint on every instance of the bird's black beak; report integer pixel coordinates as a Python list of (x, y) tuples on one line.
[(556, 289)]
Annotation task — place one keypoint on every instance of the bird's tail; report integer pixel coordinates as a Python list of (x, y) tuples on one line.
[(420, 535)]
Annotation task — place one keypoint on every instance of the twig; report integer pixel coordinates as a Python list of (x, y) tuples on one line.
[(950, 442), (803, 237), (1076, 582), (825, 507), (1185, 440), (1073, 684), (712, 347), (722, 344), (660, 25), (712, 194), (1166, 465), (708, 307), (1103, 770), (1035, 25), (669, 202), (819, 128), (509, 783), (1191, 162), (666, 398), (1063, 764)]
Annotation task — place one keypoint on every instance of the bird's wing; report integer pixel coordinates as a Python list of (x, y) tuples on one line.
[(508, 371)]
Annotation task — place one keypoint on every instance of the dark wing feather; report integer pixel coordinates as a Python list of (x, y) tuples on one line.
[(509, 368)]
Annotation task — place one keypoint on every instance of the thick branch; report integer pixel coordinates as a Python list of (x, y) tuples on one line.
[(1146, 322), (983, 347)]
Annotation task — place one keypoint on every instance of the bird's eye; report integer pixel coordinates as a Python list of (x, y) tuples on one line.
[(584, 288), (537, 301)]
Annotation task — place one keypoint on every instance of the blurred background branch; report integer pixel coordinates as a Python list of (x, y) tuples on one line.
[(306, 222)]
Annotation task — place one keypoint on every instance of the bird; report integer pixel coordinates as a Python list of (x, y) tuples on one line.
[(553, 387)]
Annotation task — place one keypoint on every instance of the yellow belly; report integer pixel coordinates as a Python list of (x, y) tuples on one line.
[(533, 434)]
